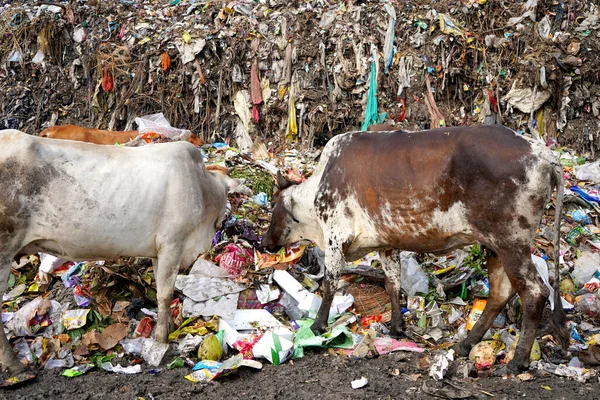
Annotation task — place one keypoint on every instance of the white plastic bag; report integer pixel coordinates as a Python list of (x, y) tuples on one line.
[(153, 351), (19, 324), (588, 172), (586, 266), (157, 123), (413, 278)]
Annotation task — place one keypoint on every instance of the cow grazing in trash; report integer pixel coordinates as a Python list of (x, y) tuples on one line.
[(430, 192), (98, 136), (86, 202)]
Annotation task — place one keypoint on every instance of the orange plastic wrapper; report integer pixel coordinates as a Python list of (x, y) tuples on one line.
[(286, 255), (145, 327), (368, 320), (107, 81), (165, 61)]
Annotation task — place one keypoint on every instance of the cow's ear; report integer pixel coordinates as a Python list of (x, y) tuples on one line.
[(283, 183)]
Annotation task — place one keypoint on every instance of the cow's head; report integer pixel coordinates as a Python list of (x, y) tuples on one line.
[(283, 220)]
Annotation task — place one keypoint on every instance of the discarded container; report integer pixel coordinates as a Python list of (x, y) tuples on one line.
[(476, 311)]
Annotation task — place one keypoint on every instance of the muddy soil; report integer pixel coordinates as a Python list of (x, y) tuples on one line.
[(317, 375)]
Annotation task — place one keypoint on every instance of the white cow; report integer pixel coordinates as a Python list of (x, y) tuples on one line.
[(83, 201)]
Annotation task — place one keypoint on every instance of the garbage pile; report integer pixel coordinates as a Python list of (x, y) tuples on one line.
[(271, 70), (239, 305)]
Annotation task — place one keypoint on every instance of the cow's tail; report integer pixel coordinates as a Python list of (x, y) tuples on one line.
[(558, 321)]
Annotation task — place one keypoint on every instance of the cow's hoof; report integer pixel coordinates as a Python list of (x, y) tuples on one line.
[(18, 378), (318, 329), (461, 350), (398, 334), (17, 368)]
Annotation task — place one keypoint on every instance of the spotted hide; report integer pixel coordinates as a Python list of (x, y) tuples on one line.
[(81, 201), (431, 191)]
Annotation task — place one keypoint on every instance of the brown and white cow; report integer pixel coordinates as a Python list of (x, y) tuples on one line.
[(431, 191), (80, 201)]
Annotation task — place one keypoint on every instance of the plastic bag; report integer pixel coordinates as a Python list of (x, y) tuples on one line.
[(23, 352), (413, 278), (157, 123), (153, 352), (20, 322), (586, 266), (589, 305), (188, 343), (133, 346), (588, 172)]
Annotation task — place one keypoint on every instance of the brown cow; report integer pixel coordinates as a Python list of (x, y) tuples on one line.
[(431, 191), (381, 128), (98, 136), (90, 135)]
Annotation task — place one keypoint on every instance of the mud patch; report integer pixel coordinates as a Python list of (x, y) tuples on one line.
[(317, 375)]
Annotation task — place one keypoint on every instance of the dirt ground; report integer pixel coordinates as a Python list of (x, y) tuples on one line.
[(317, 375)]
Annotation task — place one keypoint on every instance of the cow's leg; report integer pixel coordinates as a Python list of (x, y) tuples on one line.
[(533, 293), (390, 263), (334, 264), (501, 291), (165, 272), (8, 359)]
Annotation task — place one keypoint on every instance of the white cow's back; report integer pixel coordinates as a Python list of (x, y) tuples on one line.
[(104, 201)]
